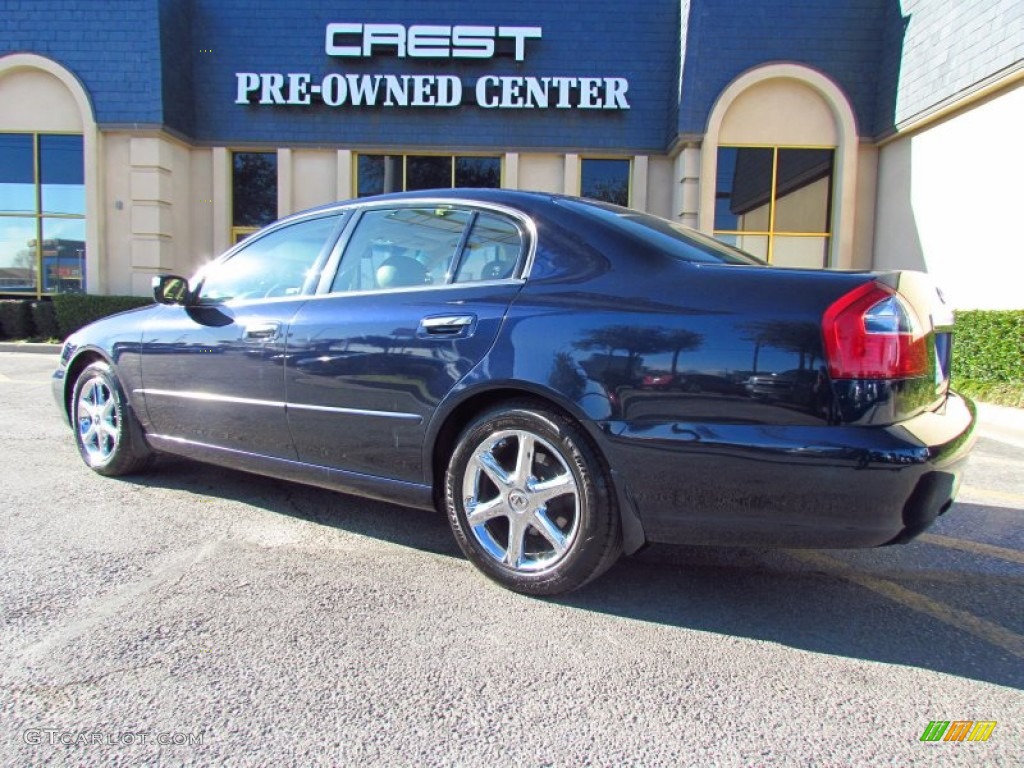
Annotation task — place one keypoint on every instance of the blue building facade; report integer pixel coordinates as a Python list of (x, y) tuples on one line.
[(670, 106)]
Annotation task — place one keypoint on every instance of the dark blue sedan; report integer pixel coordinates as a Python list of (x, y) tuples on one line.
[(568, 380)]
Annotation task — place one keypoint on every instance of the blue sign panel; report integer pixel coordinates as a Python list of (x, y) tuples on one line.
[(465, 74)]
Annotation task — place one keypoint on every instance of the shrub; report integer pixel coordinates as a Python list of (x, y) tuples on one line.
[(75, 310), (989, 346), (15, 318), (988, 356), (44, 317)]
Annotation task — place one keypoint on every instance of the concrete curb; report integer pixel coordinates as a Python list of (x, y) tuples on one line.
[(29, 346), (997, 422)]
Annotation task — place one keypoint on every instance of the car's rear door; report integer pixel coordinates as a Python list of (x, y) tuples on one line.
[(416, 301), (213, 371)]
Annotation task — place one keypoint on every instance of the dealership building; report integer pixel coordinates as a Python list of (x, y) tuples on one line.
[(139, 137)]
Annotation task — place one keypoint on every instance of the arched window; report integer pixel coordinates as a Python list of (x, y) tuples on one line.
[(46, 132), (778, 168)]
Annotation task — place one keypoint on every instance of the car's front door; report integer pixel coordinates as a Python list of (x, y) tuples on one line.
[(417, 301), (213, 371)]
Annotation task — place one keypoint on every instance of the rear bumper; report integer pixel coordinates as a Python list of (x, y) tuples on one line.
[(759, 485), (949, 437)]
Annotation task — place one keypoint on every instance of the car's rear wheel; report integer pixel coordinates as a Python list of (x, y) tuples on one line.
[(530, 503), (108, 437)]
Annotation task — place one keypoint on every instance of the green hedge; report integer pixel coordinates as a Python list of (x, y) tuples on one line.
[(988, 356), (989, 346), (44, 318), (75, 310), (16, 319)]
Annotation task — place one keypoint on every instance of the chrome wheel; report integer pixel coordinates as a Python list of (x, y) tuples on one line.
[(529, 500), (98, 418), (522, 501), (108, 437)]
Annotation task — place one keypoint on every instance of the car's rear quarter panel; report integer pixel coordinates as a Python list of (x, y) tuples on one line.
[(706, 459)]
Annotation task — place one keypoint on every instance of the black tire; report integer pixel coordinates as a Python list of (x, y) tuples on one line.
[(108, 436), (546, 521)]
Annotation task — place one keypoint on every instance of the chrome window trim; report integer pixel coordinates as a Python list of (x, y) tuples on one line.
[(413, 288), (349, 214), (323, 259), (524, 222)]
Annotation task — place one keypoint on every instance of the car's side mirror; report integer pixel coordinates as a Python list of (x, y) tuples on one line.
[(171, 289)]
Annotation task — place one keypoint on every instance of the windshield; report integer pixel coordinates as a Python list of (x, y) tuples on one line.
[(667, 236)]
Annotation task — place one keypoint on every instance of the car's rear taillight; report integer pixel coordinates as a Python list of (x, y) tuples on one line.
[(873, 333)]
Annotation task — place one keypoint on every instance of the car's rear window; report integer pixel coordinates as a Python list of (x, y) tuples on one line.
[(667, 236)]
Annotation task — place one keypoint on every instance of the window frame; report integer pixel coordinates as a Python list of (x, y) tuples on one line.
[(452, 156), (240, 232), (38, 215), (772, 233), (629, 176), (312, 284), (524, 261)]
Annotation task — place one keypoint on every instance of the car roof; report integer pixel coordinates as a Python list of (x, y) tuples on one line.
[(522, 200)]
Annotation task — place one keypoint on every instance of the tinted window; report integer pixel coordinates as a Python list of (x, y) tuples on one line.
[(42, 213), (17, 175), (478, 172), (254, 189), (668, 237), (428, 172), (606, 180), (281, 263), (62, 172), (776, 202), (378, 174), (401, 248), (492, 250)]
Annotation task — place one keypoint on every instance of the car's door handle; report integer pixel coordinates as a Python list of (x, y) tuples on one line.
[(261, 331), (447, 325)]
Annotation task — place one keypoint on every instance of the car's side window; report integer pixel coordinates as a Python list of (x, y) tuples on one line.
[(492, 250), (401, 248), (281, 263)]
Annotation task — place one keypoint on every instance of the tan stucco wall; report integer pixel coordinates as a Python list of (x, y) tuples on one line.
[(33, 100), (116, 243), (542, 172), (949, 197), (314, 178), (660, 169), (199, 240)]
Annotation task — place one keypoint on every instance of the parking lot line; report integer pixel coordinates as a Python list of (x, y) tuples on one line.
[(982, 629), (975, 547)]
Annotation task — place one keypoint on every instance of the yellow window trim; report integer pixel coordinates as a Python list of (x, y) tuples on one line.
[(453, 156), (590, 156), (38, 214), (771, 233), (238, 234), (766, 233)]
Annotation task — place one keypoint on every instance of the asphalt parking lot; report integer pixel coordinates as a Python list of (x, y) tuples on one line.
[(198, 616)]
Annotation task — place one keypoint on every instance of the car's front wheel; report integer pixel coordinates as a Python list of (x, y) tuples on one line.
[(108, 437), (529, 501)]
